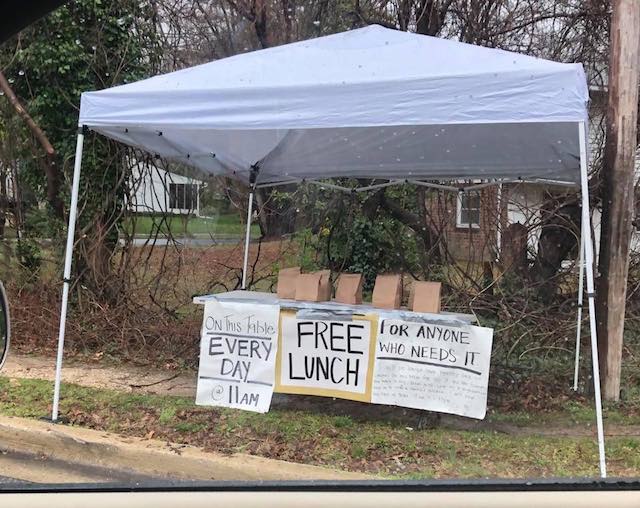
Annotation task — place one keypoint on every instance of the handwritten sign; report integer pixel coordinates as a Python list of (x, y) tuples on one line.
[(237, 355), (248, 351), (433, 367), (328, 358)]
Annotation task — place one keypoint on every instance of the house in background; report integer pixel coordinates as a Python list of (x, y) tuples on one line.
[(481, 225), (156, 190)]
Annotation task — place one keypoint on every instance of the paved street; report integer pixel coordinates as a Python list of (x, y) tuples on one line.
[(5, 480), (195, 241), (20, 467)]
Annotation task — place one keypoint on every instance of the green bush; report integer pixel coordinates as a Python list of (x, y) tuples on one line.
[(29, 256)]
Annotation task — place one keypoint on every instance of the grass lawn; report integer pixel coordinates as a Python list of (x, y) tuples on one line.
[(186, 225), (380, 448)]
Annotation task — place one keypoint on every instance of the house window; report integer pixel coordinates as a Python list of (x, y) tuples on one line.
[(468, 212), (183, 196)]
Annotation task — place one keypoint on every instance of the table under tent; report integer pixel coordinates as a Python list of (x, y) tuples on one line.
[(371, 103)]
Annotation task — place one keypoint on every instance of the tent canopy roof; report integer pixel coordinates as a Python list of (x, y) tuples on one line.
[(368, 103)]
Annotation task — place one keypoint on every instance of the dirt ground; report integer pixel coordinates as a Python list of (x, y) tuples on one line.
[(128, 379)]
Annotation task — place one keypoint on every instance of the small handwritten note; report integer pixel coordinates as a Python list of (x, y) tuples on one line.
[(238, 348), (433, 367)]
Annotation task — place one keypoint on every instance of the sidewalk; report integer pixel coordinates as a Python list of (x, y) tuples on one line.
[(127, 379)]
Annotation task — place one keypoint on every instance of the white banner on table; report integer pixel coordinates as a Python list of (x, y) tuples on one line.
[(237, 355), (433, 367)]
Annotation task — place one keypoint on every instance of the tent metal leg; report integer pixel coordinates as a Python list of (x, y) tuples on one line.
[(67, 271), (499, 223), (579, 322), (589, 261), (247, 237)]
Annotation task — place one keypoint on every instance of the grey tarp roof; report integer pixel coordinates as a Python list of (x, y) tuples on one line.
[(368, 103)]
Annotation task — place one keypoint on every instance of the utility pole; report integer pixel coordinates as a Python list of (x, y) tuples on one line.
[(617, 195)]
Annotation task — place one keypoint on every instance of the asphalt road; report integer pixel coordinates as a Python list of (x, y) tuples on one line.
[(19, 467), (204, 241), (5, 480)]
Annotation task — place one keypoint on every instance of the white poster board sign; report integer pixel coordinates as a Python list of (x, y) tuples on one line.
[(238, 349), (330, 358), (433, 367)]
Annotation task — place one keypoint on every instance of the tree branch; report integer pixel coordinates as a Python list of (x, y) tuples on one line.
[(22, 113), (52, 174)]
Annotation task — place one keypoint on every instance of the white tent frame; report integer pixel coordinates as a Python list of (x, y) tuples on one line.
[(586, 263)]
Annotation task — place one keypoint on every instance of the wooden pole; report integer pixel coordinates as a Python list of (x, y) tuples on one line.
[(618, 176)]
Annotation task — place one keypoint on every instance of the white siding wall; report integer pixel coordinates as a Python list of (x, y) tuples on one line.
[(151, 186), (524, 208)]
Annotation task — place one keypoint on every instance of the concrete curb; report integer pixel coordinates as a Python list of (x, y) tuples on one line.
[(84, 447)]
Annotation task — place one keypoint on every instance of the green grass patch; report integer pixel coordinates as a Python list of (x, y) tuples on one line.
[(376, 447), (573, 413), (189, 225)]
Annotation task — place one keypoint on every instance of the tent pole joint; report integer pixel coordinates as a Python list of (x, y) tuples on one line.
[(253, 176)]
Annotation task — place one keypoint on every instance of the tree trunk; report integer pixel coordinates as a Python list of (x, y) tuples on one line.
[(4, 201), (557, 239), (18, 212), (514, 251), (618, 176), (274, 221), (259, 11)]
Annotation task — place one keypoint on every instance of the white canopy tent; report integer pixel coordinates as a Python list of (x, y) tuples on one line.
[(370, 103)]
